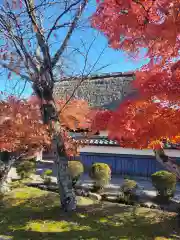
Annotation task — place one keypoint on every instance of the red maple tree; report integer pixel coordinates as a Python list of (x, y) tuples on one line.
[(23, 130), (100, 120), (153, 27)]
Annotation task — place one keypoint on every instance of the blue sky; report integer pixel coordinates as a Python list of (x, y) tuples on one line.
[(117, 60)]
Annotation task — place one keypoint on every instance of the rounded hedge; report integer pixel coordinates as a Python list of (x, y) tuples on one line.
[(76, 169), (128, 186), (165, 183), (101, 174), (128, 192), (47, 172), (46, 176), (25, 168)]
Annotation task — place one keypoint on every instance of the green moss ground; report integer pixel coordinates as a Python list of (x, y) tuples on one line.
[(32, 214)]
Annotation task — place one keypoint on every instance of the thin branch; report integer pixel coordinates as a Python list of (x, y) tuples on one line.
[(69, 33), (83, 78), (22, 89), (60, 16), (12, 70), (62, 25), (17, 40), (39, 35)]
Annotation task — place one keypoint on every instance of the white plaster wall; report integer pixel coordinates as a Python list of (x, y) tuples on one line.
[(103, 133), (119, 150)]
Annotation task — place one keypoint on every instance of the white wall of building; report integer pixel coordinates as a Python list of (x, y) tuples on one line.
[(128, 151), (103, 133)]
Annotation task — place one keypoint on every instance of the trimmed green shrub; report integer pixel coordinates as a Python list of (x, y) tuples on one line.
[(46, 176), (128, 192), (165, 184), (25, 168), (29, 158), (129, 186), (76, 169), (101, 174)]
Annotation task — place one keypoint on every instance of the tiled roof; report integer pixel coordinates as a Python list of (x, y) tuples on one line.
[(101, 142), (96, 140), (104, 141), (99, 76)]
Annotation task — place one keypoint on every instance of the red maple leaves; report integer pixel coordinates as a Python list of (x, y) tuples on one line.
[(133, 25), (100, 120), (153, 26), (140, 124), (22, 128), (20, 125)]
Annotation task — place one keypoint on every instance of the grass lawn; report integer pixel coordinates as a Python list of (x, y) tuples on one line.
[(32, 214)]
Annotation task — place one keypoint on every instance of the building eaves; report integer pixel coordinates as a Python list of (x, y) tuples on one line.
[(99, 76), (104, 141)]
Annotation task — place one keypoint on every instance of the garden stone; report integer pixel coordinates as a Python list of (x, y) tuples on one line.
[(16, 179), (111, 198), (34, 184), (120, 194), (176, 199), (36, 178), (143, 204), (85, 194), (52, 188), (154, 206), (82, 192), (83, 186), (43, 187), (5, 188), (95, 196)]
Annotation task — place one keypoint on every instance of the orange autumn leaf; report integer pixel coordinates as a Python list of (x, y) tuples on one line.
[(74, 114), (157, 145)]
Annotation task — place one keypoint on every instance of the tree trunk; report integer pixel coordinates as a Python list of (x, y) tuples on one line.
[(5, 177), (169, 163), (67, 195), (44, 91)]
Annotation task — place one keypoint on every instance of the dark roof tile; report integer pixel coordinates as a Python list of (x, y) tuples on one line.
[(104, 141)]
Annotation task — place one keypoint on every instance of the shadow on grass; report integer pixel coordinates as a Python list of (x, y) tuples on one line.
[(41, 218)]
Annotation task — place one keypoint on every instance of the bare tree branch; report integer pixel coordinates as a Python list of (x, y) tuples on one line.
[(39, 34), (54, 27), (12, 69), (169, 163), (17, 40), (20, 94), (86, 77), (71, 29), (67, 24)]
